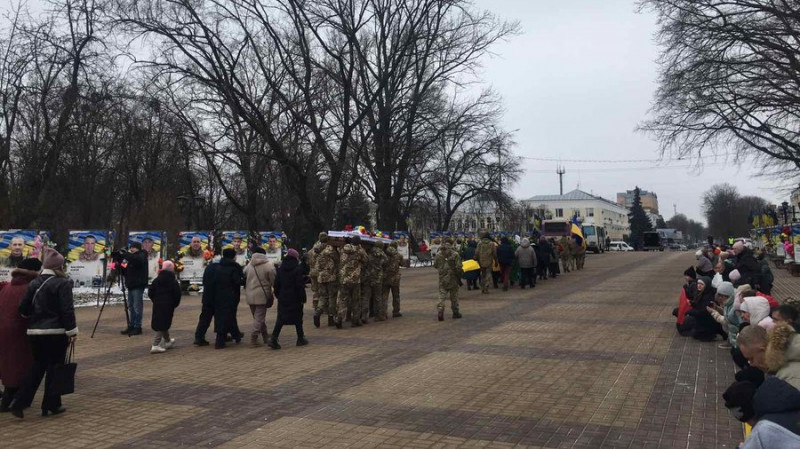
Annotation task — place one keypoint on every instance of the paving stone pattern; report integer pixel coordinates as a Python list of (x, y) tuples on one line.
[(586, 361)]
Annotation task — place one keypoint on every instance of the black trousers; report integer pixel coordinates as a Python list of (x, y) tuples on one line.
[(527, 278), (48, 351), (204, 322), (276, 331)]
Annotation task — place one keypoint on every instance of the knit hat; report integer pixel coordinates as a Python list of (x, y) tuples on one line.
[(31, 263), (293, 253), (739, 397), (167, 265), (52, 260), (690, 272), (136, 245), (726, 289)]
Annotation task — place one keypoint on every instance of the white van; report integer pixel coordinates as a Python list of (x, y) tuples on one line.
[(619, 246)]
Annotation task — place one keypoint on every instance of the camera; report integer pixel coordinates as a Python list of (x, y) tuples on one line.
[(119, 255)]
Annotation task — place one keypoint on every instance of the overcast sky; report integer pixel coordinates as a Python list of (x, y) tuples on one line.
[(575, 84)]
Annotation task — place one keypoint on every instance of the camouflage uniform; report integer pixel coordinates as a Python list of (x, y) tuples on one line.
[(486, 254), (573, 251), (391, 281), (353, 259), (580, 256), (312, 269), (372, 284), (564, 254), (327, 264), (448, 263)]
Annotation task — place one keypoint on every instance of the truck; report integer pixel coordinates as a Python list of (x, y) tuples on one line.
[(595, 238), (652, 241), (556, 228)]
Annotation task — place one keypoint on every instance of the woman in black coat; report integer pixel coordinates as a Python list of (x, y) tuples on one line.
[(471, 276), (165, 294), (290, 289)]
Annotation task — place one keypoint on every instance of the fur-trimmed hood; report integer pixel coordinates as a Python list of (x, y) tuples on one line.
[(783, 354)]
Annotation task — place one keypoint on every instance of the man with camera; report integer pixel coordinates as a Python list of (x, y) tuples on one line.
[(136, 281)]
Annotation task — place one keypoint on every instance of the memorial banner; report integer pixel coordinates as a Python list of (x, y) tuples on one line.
[(15, 245), (796, 241), (272, 242), (403, 248), (86, 257), (154, 244), (238, 241), (193, 255)]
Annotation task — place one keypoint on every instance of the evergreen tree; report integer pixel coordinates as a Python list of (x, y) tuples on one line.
[(638, 220)]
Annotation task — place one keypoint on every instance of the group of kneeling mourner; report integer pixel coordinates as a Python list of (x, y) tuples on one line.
[(727, 294)]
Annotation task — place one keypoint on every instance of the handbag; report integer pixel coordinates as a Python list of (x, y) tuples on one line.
[(270, 297), (64, 374)]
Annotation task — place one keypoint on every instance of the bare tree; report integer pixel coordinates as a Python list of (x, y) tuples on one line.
[(730, 77)]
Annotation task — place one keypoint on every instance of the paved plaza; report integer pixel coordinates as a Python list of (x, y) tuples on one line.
[(586, 361)]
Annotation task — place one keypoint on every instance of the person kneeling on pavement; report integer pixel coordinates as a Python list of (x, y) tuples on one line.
[(771, 408)]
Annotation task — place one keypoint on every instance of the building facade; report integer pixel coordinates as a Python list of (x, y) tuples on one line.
[(649, 200), (590, 210)]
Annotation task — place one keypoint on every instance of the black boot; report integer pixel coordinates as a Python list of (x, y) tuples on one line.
[(126, 331), (316, 320), (201, 342), (220, 342), (301, 341), (135, 331), (338, 323), (8, 396), (441, 315), (273, 343), (456, 315), (331, 321)]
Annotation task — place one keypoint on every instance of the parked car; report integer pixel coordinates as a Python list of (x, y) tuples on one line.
[(619, 246)]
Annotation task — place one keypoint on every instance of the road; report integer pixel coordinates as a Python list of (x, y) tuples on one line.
[(589, 360)]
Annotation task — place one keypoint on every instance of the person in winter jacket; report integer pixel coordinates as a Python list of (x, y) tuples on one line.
[(391, 279), (776, 404), (755, 310), (222, 284), (290, 289), (553, 258), (782, 355), (470, 252), (723, 312), (165, 294), (543, 258), (788, 314), (259, 276), (505, 257), (766, 278), (705, 328), (16, 356), (526, 258), (747, 266), (136, 282), (51, 328)]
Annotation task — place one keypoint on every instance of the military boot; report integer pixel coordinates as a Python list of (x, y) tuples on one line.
[(441, 315), (331, 321), (456, 315), (316, 320), (265, 336), (254, 341)]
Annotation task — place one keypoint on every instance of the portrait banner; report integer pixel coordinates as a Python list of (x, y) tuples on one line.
[(401, 237), (238, 241), (16, 245), (153, 244), (437, 237), (272, 242), (796, 242), (192, 254), (775, 239), (86, 257)]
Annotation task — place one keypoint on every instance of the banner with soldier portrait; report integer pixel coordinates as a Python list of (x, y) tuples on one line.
[(86, 257), (796, 242), (272, 242), (238, 241), (401, 237), (154, 244), (15, 245), (193, 254)]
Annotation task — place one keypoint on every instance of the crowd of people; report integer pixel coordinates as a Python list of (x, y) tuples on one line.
[(727, 295), (350, 280)]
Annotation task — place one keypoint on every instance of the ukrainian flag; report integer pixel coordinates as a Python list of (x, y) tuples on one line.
[(576, 230)]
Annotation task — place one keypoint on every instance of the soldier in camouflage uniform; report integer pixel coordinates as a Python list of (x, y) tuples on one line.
[(448, 264), (311, 258), (326, 264), (573, 252), (372, 284), (353, 259), (580, 256), (564, 254), (487, 255), (391, 281)]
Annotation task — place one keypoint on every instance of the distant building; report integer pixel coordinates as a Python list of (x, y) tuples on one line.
[(590, 209), (649, 200)]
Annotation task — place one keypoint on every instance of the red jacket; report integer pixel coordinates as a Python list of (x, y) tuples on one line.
[(684, 305), (15, 350)]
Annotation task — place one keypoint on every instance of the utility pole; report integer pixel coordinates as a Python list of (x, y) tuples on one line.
[(674, 209), (560, 170)]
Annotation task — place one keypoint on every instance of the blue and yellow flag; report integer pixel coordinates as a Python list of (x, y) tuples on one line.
[(576, 230)]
